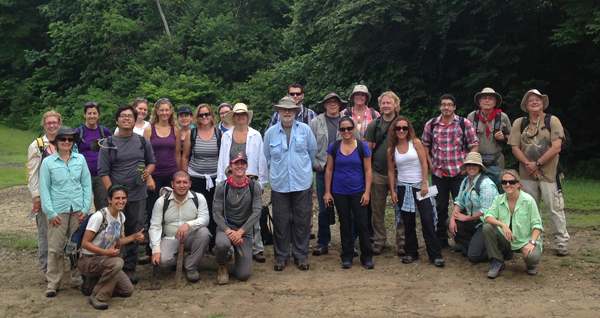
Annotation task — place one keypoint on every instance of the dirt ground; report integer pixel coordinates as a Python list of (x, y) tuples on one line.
[(564, 287)]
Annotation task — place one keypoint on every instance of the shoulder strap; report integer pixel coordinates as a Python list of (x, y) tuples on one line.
[(218, 136), (305, 115), (547, 122), (195, 199), (524, 123), (193, 134), (477, 184), (361, 155), (80, 134), (143, 140), (373, 114), (104, 223), (349, 112), (334, 150), (461, 122), (40, 143), (497, 122), (102, 133), (476, 121), (166, 203)]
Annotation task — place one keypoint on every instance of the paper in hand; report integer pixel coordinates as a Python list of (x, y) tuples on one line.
[(433, 191)]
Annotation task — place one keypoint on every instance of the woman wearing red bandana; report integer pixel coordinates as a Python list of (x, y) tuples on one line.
[(491, 125)]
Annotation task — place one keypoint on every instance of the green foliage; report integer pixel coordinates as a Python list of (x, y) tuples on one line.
[(581, 194)]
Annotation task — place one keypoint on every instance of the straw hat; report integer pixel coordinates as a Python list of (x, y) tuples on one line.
[(286, 102), (239, 108), (360, 89), (488, 91), (534, 91), (329, 95), (473, 158)]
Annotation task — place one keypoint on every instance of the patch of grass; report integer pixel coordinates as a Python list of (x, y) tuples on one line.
[(581, 194), (13, 155), (216, 315), (18, 242), (12, 176), (26, 243)]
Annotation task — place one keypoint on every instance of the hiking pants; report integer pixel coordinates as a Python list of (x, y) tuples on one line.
[(445, 186), (42, 227), (57, 238), (112, 280), (195, 241), (380, 189), (495, 242), (243, 260), (291, 223), (556, 207)]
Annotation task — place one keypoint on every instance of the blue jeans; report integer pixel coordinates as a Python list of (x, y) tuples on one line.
[(324, 233)]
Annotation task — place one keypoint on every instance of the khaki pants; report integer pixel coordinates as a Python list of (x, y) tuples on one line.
[(380, 189), (113, 281), (495, 243), (195, 242), (57, 237), (556, 207)]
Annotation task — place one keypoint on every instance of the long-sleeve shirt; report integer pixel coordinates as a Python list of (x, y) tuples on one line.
[(34, 158), (290, 165), (164, 227), (257, 163), (63, 186), (242, 209), (319, 128), (310, 114), (525, 218), (447, 144), (471, 202)]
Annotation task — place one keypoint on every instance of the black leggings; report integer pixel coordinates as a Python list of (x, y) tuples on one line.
[(347, 205)]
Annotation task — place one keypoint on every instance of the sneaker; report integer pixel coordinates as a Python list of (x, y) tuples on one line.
[(88, 284), (132, 277), (98, 304), (51, 292), (407, 259), (401, 252), (279, 265), (439, 262), (320, 250), (192, 276), (223, 275), (532, 270), (494, 271), (259, 257), (302, 264), (561, 250), (377, 249), (146, 259), (369, 265), (346, 265)]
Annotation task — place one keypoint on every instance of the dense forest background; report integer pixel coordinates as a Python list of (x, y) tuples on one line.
[(59, 54)]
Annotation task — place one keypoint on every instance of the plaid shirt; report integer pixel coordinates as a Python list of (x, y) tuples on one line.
[(366, 120), (276, 118), (447, 145), (471, 202)]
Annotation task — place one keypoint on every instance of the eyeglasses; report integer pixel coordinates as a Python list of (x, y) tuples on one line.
[(52, 123), (63, 139), (126, 116), (511, 182), (295, 94), (343, 129), (447, 105), (399, 128), (202, 115)]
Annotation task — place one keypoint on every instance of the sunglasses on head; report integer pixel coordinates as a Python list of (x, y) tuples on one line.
[(511, 182), (91, 104), (202, 115), (343, 129), (63, 139), (399, 128)]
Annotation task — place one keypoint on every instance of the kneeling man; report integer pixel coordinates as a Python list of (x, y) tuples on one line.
[(179, 216)]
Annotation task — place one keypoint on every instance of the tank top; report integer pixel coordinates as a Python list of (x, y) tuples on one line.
[(205, 158), (408, 165), (166, 164)]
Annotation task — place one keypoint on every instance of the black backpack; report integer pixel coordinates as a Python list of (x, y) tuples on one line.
[(266, 225), (81, 133), (380, 135), (493, 173), (194, 134), (564, 149), (497, 124), (167, 201)]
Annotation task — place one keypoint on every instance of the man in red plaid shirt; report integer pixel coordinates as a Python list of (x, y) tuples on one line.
[(447, 140)]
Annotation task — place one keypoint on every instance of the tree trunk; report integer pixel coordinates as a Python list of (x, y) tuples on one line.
[(164, 20)]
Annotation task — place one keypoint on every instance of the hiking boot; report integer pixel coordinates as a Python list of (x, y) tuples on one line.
[(88, 284), (132, 277), (146, 259), (98, 304), (51, 292), (561, 250), (346, 265), (401, 252), (533, 270), (377, 249), (320, 250), (369, 265), (407, 259), (302, 264), (439, 262), (259, 257), (280, 265), (192, 276), (494, 271), (223, 275)]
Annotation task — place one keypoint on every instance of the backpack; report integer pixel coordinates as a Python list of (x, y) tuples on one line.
[(461, 122), (266, 225), (349, 112), (493, 173), (361, 153), (304, 118), (111, 145), (41, 149), (81, 133), (380, 138), (194, 134), (167, 201), (565, 147), (497, 124)]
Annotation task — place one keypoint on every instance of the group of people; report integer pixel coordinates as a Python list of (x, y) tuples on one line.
[(194, 184)]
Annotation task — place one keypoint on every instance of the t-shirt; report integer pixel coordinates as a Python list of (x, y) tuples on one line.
[(332, 127), (109, 235), (348, 176), (205, 158), (379, 160), (237, 147), (288, 132), (534, 147), (84, 146), (489, 145), (121, 163)]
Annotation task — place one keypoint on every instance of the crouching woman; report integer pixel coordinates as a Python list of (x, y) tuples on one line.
[(100, 261), (513, 223)]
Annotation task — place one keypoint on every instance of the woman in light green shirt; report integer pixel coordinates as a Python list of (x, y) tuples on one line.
[(513, 223)]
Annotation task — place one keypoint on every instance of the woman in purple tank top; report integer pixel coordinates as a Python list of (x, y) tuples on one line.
[(164, 135)]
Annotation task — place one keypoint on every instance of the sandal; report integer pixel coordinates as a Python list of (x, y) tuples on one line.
[(302, 264), (280, 265)]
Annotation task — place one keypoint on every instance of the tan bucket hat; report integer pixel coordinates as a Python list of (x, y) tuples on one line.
[(360, 89), (239, 108), (488, 91), (534, 91), (473, 158), (286, 102)]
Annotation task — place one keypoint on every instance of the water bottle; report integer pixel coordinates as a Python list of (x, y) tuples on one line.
[(140, 170), (33, 213), (330, 213)]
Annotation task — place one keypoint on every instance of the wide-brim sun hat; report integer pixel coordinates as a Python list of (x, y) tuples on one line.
[(239, 108), (473, 158), (329, 95), (65, 130), (360, 89), (536, 92), (286, 102), (488, 91)]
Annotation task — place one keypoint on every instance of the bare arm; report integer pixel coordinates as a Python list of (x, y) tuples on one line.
[(328, 177), (368, 180), (177, 150), (185, 158), (391, 175)]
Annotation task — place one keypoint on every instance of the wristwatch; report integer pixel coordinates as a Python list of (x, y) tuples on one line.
[(537, 163), (534, 243)]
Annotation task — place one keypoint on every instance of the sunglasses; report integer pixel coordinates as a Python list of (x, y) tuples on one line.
[(511, 182), (399, 128), (343, 129), (295, 94), (63, 139), (202, 115)]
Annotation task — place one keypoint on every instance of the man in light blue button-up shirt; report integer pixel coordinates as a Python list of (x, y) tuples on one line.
[(290, 148)]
